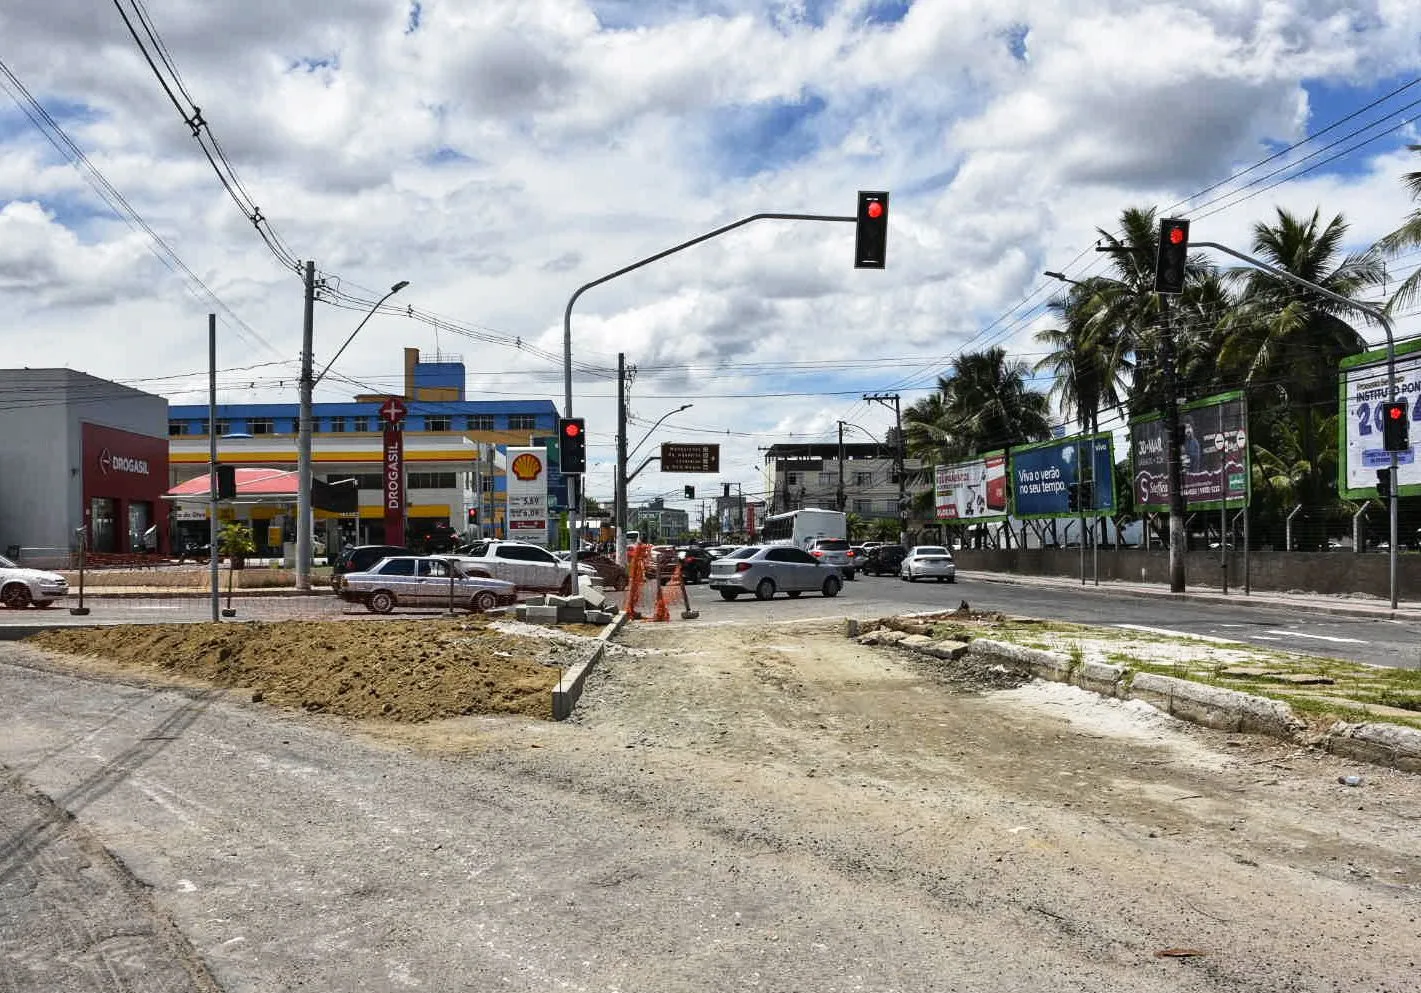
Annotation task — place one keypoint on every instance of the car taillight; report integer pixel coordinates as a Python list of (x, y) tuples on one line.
[(851, 553), (817, 554), (742, 567)]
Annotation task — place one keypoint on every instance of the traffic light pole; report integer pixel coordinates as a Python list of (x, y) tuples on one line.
[(1375, 314), (1177, 536), (575, 483)]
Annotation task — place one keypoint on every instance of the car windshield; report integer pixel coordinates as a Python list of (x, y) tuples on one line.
[(930, 550), (832, 544)]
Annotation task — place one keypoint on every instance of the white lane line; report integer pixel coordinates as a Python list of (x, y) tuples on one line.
[(1263, 637), (1320, 637), (1177, 634)]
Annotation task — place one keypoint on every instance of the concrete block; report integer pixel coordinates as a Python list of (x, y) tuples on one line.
[(521, 612), (593, 597), (1100, 677), (887, 636), (569, 689), (1043, 664), (947, 649), (917, 642), (1381, 744), (598, 617), (851, 627), (541, 615), (1214, 706)]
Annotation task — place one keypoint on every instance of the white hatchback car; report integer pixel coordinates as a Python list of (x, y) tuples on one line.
[(20, 587), (928, 562)]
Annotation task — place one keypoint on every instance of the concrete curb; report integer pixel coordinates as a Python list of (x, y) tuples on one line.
[(1199, 703), (569, 688)]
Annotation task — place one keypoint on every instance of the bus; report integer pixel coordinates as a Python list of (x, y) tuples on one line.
[(801, 528)]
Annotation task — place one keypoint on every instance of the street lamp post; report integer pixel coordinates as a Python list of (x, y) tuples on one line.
[(619, 500), (304, 521)]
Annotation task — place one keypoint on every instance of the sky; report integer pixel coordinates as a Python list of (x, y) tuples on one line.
[(500, 155)]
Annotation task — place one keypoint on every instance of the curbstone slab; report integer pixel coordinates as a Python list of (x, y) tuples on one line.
[(1381, 744), (1102, 678), (536, 614), (917, 642), (1216, 707), (1051, 666), (947, 649)]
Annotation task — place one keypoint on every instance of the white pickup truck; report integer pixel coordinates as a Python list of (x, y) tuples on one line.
[(528, 566)]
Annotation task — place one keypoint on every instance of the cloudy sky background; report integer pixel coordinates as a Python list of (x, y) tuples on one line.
[(499, 154)]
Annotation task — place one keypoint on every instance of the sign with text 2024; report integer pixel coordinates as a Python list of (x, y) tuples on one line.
[(1363, 390)]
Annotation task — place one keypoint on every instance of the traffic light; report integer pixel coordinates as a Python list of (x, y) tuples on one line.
[(1073, 497), (226, 482), (1172, 254), (1395, 427), (725, 491), (473, 515), (690, 492), (1384, 483), (871, 236), (572, 445)]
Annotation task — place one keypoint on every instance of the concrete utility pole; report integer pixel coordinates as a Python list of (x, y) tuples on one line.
[(303, 440), (1177, 535), (885, 399), (839, 498), (619, 494), (212, 464)]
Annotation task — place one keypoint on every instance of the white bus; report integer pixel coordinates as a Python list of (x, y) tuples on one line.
[(801, 528)]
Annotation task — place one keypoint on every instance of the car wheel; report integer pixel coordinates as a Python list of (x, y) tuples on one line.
[(794, 594), (765, 589), (16, 596), (952, 579), (831, 586), (484, 601), (381, 602), (729, 594)]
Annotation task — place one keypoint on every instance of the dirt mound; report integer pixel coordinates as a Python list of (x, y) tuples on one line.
[(407, 671)]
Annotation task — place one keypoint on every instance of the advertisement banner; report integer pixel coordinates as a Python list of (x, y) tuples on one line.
[(393, 491), (972, 491), (1362, 389), (1042, 476), (527, 514), (1213, 453)]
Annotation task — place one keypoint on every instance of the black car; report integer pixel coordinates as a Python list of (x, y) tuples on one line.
[(695, 564), (359, 558), (883, 559)]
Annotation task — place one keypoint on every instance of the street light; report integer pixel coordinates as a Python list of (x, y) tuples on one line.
[(1062, 277), (619, 497), (304, 522)]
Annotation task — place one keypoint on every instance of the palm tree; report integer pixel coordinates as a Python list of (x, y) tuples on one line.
[(1406, 237), (926, 432), (989, 404), (1087, 356)]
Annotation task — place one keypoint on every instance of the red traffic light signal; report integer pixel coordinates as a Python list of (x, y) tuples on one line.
[(1395, 426), (571, 428), (572, 445), (871, 234), (1172, 255)]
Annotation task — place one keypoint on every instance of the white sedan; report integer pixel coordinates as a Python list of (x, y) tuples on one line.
[(928, 562), (20, 587)]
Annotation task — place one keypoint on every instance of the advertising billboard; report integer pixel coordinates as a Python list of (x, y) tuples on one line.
[(1213, 452), (1362, 388), (972, 491), (1042, 475), (527, 514)]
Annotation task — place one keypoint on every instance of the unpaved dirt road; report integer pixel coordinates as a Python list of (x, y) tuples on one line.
[(732, 807)]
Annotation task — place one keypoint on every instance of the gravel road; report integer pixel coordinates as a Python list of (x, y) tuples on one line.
[(732, 807)]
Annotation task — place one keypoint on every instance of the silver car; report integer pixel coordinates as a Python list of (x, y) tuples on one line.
[(424, 581), (836, 551), (769, 569), (928, 562)]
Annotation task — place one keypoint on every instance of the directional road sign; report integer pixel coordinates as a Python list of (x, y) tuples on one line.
[(676, 457)]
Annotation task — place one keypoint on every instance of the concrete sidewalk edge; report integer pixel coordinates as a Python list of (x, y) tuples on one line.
[(569, 688)]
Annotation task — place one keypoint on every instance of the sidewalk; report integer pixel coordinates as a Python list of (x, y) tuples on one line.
[(1356, 605)]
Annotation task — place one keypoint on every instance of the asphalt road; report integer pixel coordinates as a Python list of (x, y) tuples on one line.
[(1375, 641)]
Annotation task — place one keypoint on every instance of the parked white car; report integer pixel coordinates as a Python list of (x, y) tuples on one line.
[(928, 562), (20, 587), (526, 565)]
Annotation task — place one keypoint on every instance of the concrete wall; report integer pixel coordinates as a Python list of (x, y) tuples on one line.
[(1316, 572)]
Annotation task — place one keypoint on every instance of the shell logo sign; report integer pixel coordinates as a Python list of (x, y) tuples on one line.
[(527, 467)]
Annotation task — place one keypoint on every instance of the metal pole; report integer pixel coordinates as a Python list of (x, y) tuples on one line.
[(303, 440), (212, 465), (619, 497), (839, 504), (1172, 457), (1224, 508)]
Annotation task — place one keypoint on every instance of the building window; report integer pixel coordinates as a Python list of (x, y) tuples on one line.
[(337, 425), (361, 424), (864, 479), (827, 478), (522, 422), (175, 428), (262, 425), (433, 481), (439, 422), (224, 427), (480, 422), (863, 506), (792, 479)]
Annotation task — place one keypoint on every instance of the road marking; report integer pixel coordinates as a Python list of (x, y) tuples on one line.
[(1320, 637), (1177, 634), (1263, 637)]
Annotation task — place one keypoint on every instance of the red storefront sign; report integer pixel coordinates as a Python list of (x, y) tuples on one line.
[(124, 478), (394, 486)]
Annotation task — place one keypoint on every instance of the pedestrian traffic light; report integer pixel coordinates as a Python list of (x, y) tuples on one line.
[(226, 482), (1171, 255), (572, 445), (871, 236), (1395, 426), (690, 492), (1384, 483)]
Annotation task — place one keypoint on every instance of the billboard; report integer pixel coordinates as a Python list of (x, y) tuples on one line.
[(1362, 388), (527, 514), (1042, 474), (1214, 453), (972, 491)]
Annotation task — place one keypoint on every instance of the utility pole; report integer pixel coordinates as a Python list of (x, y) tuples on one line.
[(885, 398), (619, 492), (303, 443), (1177, 537), (839, 504), (212, 540)]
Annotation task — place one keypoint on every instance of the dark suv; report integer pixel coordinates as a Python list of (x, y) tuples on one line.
[(883, 559), (358, 558)]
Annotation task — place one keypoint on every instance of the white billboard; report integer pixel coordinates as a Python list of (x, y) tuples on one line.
[(527, 516), (972, 491), (1364, 389)]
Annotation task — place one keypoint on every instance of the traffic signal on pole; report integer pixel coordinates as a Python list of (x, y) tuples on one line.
[(690, 492), (871, 236), (473, 515), (226, 482), (1172, 254), (1395, 426), (572, 445), (1384, 483)]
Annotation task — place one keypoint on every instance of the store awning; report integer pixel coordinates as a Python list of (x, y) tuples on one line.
[(252, 485)]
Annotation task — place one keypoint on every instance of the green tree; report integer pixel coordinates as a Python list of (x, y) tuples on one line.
[(1088, 357), (1404, 239), (985, 403)]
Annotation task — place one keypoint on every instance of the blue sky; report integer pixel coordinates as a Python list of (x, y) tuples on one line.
[(500, 155)]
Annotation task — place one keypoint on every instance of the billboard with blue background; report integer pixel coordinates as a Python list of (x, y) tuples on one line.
[(1042, 475)]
